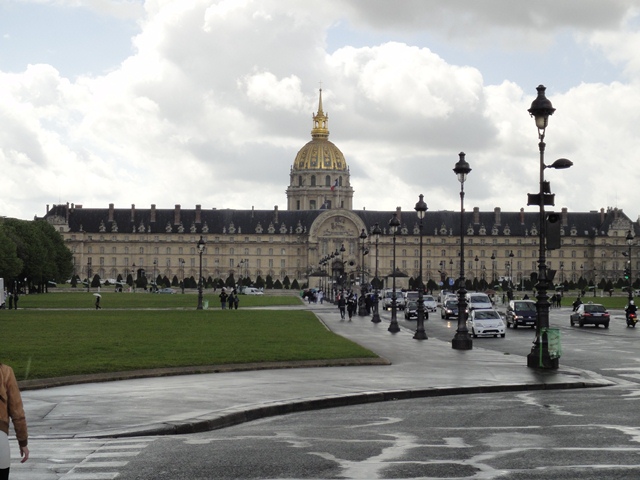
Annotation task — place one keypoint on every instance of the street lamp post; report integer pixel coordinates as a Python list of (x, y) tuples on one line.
[(511, 271), (182, 268), (451, 267), (343, 279), (201, 245), (421, 210), (88, 274), (154, 285), (493, 270), (362, 308), (595, 281), (376, 235), (539, 357), (462, 340), (476, 260), (133, 277), (629, 239), (394, 223)]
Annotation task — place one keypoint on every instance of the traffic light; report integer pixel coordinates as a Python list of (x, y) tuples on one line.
[(626, 273), (553, 225)]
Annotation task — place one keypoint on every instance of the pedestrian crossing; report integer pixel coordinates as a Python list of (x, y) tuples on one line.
[(76, 459)]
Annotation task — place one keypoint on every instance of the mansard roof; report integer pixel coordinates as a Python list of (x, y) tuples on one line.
[(232, 221)]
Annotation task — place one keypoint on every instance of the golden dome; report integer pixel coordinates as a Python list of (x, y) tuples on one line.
[(320, 153)]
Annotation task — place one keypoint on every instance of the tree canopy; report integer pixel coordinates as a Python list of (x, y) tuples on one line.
[(33, 251)]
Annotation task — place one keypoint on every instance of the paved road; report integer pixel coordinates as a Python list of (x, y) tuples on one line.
[(66, 420)]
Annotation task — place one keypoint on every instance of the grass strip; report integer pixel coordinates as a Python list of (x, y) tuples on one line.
[(44, 344)]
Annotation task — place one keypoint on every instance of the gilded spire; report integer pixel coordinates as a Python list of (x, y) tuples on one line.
[(320, 122)]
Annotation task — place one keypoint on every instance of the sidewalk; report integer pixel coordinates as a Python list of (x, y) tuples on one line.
[(188, 403)]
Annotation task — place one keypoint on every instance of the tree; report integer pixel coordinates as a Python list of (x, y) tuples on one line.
[(174, 281), (277, 285), (286, 282), (260, 283), (230, 281), (10, 264), (295, 285), (269, 282), (95, 282)]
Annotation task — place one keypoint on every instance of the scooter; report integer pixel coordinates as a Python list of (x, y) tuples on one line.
[(632, 319)]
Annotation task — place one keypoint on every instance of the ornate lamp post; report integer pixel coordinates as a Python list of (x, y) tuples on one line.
[(394, 223), (541, 109), (493, 270), (133, 276), (201, 245), (511, 270), (88, 274), (462, 340), (629, 239), (376, 236), (421, 210), (362, 308), (595, 281), (343, 280), (451, 267), (476, 260), (154, 285), (182, 268)]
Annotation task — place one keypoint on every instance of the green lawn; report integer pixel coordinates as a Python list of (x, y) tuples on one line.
[(141, 299), (52, 343)]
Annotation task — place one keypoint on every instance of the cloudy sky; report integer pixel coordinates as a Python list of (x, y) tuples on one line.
[(208, 101)]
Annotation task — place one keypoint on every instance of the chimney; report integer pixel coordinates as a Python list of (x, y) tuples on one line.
[(602, 215), (152, 218), (565, 217), (47, 208), (133, 213), (111, 212), (522, 216), (176, 215), (198, 213), (476, 215), (275, 207), (496, 215)]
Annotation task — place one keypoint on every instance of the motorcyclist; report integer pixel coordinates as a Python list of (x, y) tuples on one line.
[(631, 308)]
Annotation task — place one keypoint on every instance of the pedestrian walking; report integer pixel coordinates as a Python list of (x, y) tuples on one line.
[(15, 300), (230, 300), (236, 301), (342, 304), (352, 305), (98, 307), (223, 299), (11, 408)]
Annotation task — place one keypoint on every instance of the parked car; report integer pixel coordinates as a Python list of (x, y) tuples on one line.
[(590, 314), (253, 291), (485, 322), (449, 309), (166, 290), (430, 303), (521, 313)]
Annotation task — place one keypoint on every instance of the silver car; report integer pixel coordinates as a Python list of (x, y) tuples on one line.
[(487, 322)]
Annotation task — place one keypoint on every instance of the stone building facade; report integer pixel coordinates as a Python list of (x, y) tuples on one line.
[(320, 220)]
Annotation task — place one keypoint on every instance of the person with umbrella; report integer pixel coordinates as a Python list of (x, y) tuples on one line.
[(98, 296)]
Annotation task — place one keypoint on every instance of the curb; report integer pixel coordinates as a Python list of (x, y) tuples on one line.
[(44, 383), (239, 415)]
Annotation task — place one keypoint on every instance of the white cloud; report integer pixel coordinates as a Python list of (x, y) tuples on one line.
[(218, 97)]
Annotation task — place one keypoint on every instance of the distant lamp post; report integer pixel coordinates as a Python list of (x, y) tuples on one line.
[(511, 270), (182, 268), (362, 308), (493, 270), (154, 285), (343, 278), (376, 236), (451, 267), (476, 260), (201, 245), (133, 276), (595, 281), (541, 109), (421, 210), (462, 340), (88, 274), (394, 223), (629, 239)]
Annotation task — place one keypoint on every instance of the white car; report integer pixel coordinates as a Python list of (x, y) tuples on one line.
[(430, 303), (486, 322), (252, 291)]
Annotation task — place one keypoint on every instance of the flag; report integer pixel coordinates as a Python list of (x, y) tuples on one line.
[(333, 187)]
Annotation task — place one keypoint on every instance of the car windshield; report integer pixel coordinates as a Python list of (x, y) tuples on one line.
[(451, 304), (480, 299), (413, 304), (594, 309), (429, 298), (524, 306), (486, 314)]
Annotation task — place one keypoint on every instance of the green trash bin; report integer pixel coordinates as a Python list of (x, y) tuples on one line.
[(205, 304), (553, 343)]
